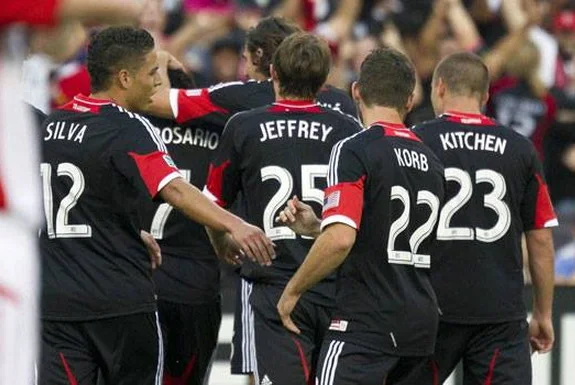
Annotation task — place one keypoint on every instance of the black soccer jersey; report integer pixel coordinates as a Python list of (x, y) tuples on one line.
[(190, 270), (495, 192), (271, 154), (389, 186), (98, 159), (215, 105)]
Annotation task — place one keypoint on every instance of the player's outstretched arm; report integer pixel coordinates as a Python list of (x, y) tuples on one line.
[(327, 253), (188, 199), (300, 218), (541, 267)]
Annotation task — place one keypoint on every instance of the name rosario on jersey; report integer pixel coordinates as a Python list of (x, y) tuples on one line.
[(472, 141), (191, 136), (276, 129), (65, 131)]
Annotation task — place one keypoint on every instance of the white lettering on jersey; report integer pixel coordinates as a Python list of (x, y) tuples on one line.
[(472, 141), (276, 129), (65, 131), (190, 136), (410, 158)]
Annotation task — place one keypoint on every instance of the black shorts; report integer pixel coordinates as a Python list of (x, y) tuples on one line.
[(243, 359), (282, 357), (345, 363), (190, 339), (496, 354), (124, 350)]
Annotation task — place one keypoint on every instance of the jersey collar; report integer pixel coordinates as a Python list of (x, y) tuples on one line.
[(467, 118), (296, 103), (397, 130), (82, 103)]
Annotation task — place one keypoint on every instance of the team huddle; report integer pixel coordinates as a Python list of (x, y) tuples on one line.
[(369, 252)]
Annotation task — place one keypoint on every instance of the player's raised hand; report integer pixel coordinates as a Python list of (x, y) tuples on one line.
[(153, 248), (285, 307), (299, 217), (254, 243), (541, 334)]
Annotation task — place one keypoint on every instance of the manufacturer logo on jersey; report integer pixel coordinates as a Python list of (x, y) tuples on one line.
[(331, 201), (170, 161), (80, 108), (194, 92), (266, 381), (338, 325)]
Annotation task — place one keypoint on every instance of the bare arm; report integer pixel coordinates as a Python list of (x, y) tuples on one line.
[(340, 24), (327, 253), (541, 267), (462, 25), (496, 58)]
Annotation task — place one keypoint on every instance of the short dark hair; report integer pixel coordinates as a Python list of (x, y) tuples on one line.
[(115, 48), (302, 63), (267, 35), (464, 74), (387, 79)]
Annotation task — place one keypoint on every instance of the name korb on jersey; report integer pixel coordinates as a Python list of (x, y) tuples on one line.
[(472, 141), (410, 158), (294, 128), (191, 136), (65, 131)]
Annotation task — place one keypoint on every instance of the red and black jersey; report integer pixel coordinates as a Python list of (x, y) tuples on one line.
[(495, 191), (216, 104), (98, 159), (513, 104), (388, 186), (190, 270), (269, 155)]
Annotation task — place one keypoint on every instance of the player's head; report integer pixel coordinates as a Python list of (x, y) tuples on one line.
[(262, 42), (300, 66), (460, 76), (386, 79), (123, 60)]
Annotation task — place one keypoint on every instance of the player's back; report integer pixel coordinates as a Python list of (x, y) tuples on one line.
[(495, 192), (384, 282), (282, 150), (94, 262)]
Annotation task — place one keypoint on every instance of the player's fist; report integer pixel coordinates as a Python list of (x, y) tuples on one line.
[(541, 334), (254, 243), (300, 218)]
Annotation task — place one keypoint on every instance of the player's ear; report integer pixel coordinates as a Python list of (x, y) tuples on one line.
[(124, 78), (410, 103), (484, 99), (257, 56), (355, 94), (273, 73), (441, 87)]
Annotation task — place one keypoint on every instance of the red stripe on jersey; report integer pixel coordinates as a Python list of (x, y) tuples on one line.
[(29, 11), (154, 167), (215, 182), (489, 377), (543, 207), (471, 119), (71, 379), (194, 104), (82, 103), (397, 130), (295, 105), (345, 199), (302, 360)]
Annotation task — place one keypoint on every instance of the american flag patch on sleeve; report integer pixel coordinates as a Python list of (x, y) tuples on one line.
[(331, 201)]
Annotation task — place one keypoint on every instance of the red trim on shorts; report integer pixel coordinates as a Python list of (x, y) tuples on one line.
[(302, 360), (186, 375), (489, 377), (434, 372), (71, 379)]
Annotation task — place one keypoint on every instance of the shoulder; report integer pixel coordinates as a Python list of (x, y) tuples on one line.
[(340, 115), (240, 86), (133, 126)]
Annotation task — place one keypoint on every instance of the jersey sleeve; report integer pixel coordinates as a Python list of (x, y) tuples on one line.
[(33, 12), (343, 199), (536, 209), (224, 176), (197, 106), (141, 156)]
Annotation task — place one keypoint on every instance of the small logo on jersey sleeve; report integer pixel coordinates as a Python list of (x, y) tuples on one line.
[(266, 381), (170, 161), (331, 201), (338, 325)]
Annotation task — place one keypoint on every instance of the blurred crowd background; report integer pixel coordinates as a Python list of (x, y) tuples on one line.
[(528, 45)]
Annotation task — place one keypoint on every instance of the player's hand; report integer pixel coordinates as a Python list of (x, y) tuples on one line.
[(285, 307), (541, 334), (153, 248), (254, 243), (168, 61), (299, 217), (229, 251)]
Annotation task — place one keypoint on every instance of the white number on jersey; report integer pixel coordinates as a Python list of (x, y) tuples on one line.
[(163, 212)]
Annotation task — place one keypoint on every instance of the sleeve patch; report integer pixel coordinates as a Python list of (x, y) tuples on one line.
[(343, 203)]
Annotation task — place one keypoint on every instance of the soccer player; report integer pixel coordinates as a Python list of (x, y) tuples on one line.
[(379, 219), (98, 305), (269, 154), (188, 282), (495, 193)]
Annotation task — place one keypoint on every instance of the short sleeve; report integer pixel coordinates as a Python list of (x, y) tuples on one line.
[(33, 12), (141, 156), (536, 208), (343, 198), (224, 176), (196, 106)]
